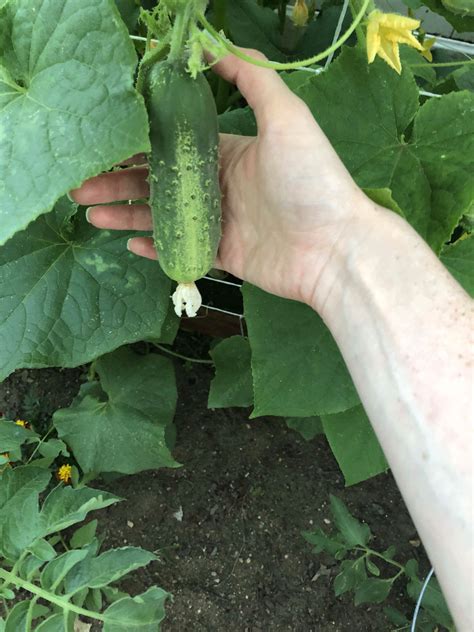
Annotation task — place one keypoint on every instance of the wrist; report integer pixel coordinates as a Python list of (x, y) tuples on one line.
[(359, 240)]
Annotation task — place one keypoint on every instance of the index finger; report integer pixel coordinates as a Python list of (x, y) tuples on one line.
[(263, 88)]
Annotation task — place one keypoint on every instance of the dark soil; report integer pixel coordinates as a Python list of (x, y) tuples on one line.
[(228, 524)]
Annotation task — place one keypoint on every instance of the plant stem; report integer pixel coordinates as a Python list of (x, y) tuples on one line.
[(44, 594), (389, 560), (150, 58), (183, 357), (443, 64), (290, 65), (39, 444), (179, 34), (354, 4), (14, 569)]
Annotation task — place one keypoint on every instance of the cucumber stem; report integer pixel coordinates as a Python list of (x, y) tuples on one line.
[(179, 35), (291, 65)]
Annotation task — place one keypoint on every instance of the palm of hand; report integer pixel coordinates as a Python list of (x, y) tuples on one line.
[(285, 204)]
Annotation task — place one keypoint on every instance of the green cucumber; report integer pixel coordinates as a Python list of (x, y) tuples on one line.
[(459, 7), (185, 197)]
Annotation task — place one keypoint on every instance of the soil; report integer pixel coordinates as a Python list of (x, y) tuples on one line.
[(227, 525)]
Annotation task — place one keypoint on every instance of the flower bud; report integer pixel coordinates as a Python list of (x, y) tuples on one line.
[(300, 13)]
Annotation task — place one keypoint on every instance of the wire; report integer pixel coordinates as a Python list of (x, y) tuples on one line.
[(420, 597), (338, 30)]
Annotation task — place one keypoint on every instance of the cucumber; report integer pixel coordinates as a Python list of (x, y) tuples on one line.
[(185, 197), (459, 7)]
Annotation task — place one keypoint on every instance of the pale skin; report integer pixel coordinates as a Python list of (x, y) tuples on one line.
[(296, 225)]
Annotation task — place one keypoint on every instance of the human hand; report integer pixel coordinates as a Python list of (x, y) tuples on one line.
[(288, 200)]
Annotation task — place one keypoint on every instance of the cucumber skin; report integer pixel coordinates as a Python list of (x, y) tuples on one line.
[(185, 198)]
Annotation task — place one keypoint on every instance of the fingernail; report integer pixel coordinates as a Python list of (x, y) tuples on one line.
[(128, 244), (70, 198), (88, 210)]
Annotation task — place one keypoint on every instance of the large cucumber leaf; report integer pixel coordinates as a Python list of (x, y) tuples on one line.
[(354, 445), (429, 170), (297, 368), (69, 293), (121, 425), (68, 109), (459, 259)]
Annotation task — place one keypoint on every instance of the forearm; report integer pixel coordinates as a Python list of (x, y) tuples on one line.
[(402, 324)]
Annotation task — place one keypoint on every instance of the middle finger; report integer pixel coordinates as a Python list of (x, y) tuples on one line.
[(121, 217), (126, 184)]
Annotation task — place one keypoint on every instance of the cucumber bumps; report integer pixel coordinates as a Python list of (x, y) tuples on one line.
[(184, 177)]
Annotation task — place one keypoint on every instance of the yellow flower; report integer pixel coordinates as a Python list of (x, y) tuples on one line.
[(64, 473), (426, 52), (385, 31), (300, 13), (20, 422)]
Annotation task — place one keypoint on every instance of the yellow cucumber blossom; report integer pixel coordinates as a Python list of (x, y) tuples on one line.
[(64, 473), (385, 32), (300, 13), (20, 422)]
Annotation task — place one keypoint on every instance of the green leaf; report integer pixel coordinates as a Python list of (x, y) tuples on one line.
[(232, 384), (353, 532), (253, 26), (94, 600), (125, 433), (70, 110), (129, 10), (240, 121), (433, 600), (112, 593), (55, 623), (396, 617), (55, 571), (459, 259), (6, 593), (371, 567), (462, 24), (373, 591), (308, 427), (319, 34), (384, 198), (84, 535), (428, 171), (354, 445), (12, 436), (143, 613), (323, 542), (42, 550), (53, 448), (443, 139), (69, 293), (106, 568), (65, 506), (17, 619), (29, 567), (297, 368), (352, 574), (390, 552), (19, 492), (423, 68)]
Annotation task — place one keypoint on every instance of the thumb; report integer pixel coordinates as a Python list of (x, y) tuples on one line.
[(262, 88)]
